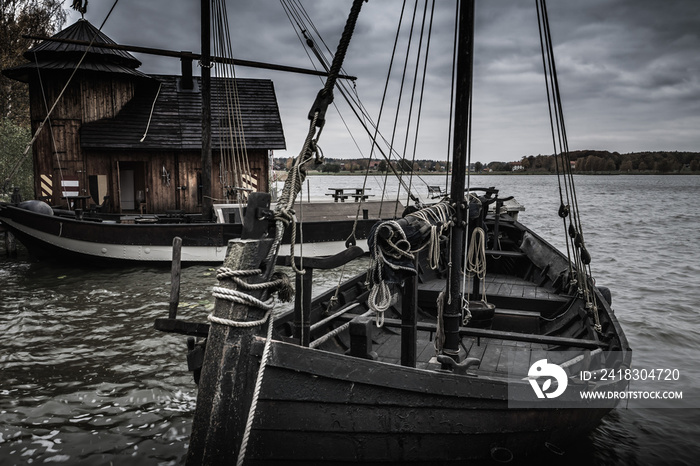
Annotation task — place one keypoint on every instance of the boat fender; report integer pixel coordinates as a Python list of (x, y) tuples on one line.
[(605, 291), (501, 455), (40, 207)]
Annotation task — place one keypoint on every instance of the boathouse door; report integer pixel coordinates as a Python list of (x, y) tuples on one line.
[(132, 185), (126, 189)]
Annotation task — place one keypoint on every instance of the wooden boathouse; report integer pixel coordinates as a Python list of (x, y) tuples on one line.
[(132, 142)]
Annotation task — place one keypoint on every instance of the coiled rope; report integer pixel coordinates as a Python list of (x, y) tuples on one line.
[(380, 296), (476, 259), (438, 219)]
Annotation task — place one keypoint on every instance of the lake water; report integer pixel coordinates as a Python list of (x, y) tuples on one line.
[(86, 380)]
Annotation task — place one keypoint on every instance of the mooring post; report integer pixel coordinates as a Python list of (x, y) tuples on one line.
[(229, 371), (175, 277)]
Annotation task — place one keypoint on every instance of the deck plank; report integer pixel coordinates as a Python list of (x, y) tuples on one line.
[(492, 354), (521, 361), (476, 350)]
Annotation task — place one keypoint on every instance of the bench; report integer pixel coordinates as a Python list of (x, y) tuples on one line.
[(363, 197), (336, 196)]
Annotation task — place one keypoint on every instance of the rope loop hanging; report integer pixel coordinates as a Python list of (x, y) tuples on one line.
[(393, 247)]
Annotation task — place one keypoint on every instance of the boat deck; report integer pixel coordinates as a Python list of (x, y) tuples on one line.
[(495, 353), (504, 286)]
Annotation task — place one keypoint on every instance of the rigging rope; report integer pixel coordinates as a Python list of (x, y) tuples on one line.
[(284, 210), (575, 244), (51, 135), (421, 92), (150, 115), (256, 393), (350, 95), (236, 176), (311, 151)]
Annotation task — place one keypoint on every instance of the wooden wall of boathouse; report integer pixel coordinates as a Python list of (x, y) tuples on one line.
[(57, 153), (169, 179)]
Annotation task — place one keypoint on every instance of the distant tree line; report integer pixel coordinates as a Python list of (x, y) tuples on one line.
[(583, 161), (593, 161), (661, 162), (331, 165)]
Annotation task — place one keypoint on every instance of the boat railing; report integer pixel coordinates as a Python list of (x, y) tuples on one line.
[(172, 324), (301, 327)]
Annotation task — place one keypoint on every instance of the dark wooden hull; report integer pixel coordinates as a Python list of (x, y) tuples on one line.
[(317, 407), (61, 238)]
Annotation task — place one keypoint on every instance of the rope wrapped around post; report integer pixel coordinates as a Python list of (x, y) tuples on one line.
[(280, 283)]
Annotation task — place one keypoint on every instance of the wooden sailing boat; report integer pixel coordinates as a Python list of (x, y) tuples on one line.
[(421, 361), (125, 164)]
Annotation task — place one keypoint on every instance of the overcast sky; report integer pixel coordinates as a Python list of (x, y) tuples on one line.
[(628, 69)]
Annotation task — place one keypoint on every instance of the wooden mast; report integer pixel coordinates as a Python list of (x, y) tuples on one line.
[(465, 47), (207, 204)]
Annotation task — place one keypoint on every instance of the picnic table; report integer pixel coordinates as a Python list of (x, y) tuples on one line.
[(344, 193)]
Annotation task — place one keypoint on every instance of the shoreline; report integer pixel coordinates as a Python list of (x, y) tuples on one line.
[(282, 175)]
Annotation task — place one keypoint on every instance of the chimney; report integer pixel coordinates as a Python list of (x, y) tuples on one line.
[(186, 82)]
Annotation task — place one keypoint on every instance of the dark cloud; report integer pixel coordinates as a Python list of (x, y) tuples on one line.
[(628, 69)]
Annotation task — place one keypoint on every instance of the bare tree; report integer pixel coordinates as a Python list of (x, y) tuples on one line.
[(18, 17)]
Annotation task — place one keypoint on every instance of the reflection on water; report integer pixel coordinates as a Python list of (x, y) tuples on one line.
[(86, 379)]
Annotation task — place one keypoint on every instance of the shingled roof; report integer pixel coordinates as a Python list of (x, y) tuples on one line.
[(56, 56), (176, 122), (82, 30)]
